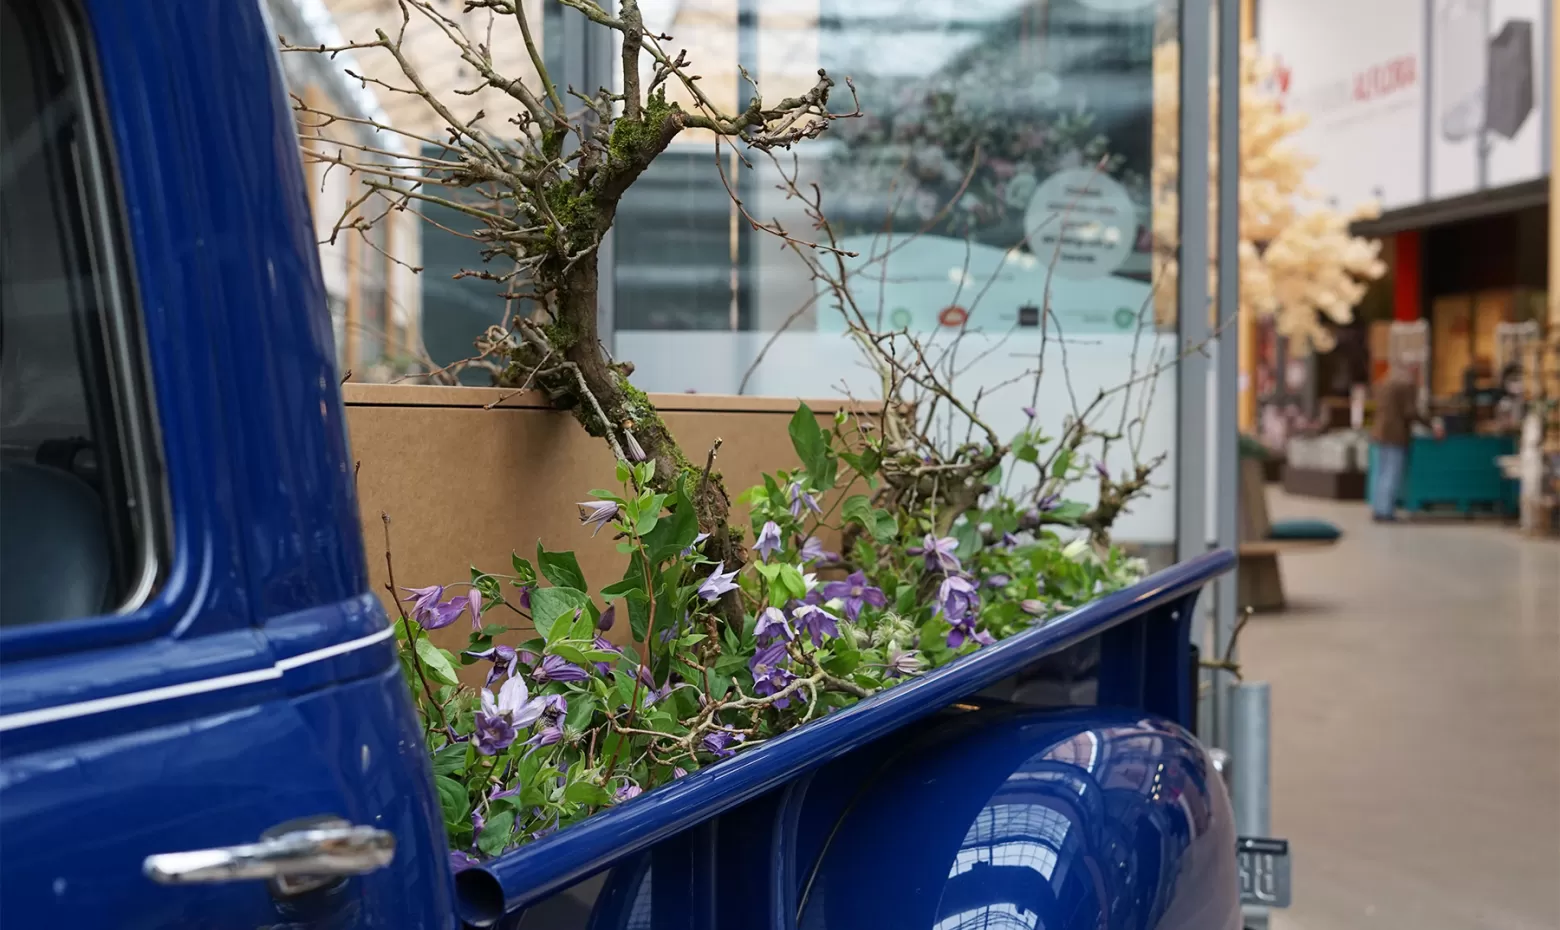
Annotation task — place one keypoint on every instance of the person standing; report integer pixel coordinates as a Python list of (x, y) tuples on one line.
[(1397, 410)]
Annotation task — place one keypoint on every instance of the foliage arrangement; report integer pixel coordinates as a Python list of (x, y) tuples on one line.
[(569, 722), (951, 535)]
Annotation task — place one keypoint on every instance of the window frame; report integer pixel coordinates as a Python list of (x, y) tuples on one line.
[(137, 455)]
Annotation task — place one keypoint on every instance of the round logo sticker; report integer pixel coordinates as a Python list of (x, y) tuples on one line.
[(953, 316), (1084, 221), (900, 318), (1125, 317)]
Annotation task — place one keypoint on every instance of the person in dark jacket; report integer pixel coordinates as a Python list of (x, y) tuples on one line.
[(1397, 410)]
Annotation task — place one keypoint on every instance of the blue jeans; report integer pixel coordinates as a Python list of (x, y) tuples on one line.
[(1388, 479)]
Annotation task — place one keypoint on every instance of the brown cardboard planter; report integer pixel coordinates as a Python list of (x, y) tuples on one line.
[(469, 475)]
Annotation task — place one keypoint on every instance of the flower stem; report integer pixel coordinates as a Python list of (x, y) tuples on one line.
[(411, 634)]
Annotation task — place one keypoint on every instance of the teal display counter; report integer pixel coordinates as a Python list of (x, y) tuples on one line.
[(1457, 472)]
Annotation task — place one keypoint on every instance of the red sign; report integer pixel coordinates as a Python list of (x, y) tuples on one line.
[(953, 316)]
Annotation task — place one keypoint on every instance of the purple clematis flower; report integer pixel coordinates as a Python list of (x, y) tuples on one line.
[(608, 617), (474, 601), (1103, 472), (957, 598), (601, 644), (769, 672), (815, 622), (424, 598), (939, 553), (500, 718), (812, 550), (504, 658), (627, 791), (902, 663), (557, 668), (525, 597), (998, 580), (801, 499), (1032, 606), (718, 583), (632, 448), (768, 540), (551, 720), (719, 742), (461, 860), (432, 613), (678, 771), (1029, 412), (695, 544), (597, 514), (771, 626), (1049, 503), (477, 823), (856, 592)]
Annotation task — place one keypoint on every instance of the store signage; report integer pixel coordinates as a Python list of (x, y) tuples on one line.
[(1412, 101)]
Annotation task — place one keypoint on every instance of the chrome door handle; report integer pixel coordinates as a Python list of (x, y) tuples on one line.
[(294, 862)]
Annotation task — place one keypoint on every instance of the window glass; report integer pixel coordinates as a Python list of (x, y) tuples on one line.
[(75, 513)]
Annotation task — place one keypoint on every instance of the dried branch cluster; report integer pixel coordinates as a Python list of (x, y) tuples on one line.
[(1298, 261)]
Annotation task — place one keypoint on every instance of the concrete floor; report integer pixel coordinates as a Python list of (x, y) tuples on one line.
[(1416, 706)]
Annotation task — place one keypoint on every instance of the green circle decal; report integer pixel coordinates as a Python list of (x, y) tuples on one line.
[(1126, 317)]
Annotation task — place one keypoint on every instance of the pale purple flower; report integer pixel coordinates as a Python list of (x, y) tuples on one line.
[(597, 514), (998, 580), (982, 637), (902, 663), (956, 598), (474, 601), (1032, 606), (477, 823), (772, 625), (718, 583), (769, 672), (1029, 412), (500, 718), (601, 644), (424, 598), (1009, 540), (768, 540), (631, 447), (525, 597), (695, 544), (812, 550), (627, 791), (815, 622), (607, 618), (557, 668), (856, 592), (503, 658), (939, 553), (1049, 502), (526, 657), (719, 743), (678, 771), (1102, 470), (801, 499), (461, 860), (551, 721)]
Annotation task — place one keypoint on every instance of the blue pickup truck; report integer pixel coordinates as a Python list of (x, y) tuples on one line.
[(202, 723)]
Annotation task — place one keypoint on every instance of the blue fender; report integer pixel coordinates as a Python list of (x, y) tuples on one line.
[(1010, 817)]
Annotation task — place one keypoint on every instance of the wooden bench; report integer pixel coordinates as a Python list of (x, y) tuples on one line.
[(1260, 585)]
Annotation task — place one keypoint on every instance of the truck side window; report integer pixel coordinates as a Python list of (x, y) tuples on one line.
[(77, 517)]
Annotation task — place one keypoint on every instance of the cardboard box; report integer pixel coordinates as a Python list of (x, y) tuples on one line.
[(468, 475)]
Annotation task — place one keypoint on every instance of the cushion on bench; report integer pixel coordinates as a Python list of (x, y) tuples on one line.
[(1318, 530)]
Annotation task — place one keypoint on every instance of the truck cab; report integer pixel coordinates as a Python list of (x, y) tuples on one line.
[(202, 721)]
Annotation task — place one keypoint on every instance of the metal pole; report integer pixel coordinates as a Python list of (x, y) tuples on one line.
[(1191, 473), (1251, 763), (1227, 401)]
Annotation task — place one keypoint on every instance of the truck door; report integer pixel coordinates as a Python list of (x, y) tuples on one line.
[(172, 751)]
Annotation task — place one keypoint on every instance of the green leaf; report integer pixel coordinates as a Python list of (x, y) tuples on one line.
[(638, 613), (581, 709), (561, 568), (1067, 513), (451, 760), (675, 532), (770, 570), (496, 832), (587, 792), (1027, 453), (858, 509), (792, 582), (439, 665), (812, 447), (452, 799), (884, 528), (619, 588), (548, 604), (1062, 463), (569, 652), (525, 574)]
